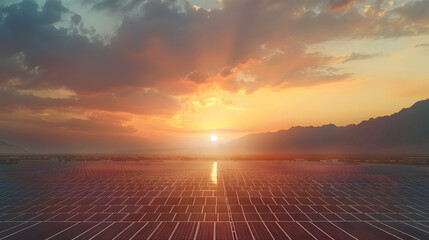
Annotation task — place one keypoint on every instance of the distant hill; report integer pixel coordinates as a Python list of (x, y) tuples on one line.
[(7, 148), (405, 132)]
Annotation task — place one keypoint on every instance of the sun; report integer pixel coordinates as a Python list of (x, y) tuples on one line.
[(213, 137)]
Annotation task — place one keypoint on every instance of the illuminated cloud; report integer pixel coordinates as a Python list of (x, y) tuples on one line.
[(165, 51), (337, 5)]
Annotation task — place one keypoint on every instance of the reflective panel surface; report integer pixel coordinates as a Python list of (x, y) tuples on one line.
[(213, 200)]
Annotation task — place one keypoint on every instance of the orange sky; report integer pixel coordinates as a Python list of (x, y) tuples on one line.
[(78, 77)]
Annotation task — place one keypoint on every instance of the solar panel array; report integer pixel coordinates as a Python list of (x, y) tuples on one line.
[(213, 200)]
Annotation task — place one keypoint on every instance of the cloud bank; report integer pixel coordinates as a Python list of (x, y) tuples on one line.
[(165, 50)]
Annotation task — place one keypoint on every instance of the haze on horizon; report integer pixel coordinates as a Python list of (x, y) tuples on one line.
[(97, 75)]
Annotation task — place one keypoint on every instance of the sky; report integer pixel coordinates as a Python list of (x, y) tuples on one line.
[(98, 76)]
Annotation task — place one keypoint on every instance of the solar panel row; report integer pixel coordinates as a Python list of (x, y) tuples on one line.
[(195, 200)]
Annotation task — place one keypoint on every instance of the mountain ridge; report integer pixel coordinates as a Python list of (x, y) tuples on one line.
[(406, 131)]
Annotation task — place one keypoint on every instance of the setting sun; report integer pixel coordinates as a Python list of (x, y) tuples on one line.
[(213, 138), (111, 110)]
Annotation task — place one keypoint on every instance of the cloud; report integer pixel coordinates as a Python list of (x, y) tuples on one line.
[(422, 45), (52, 11), (146, 102), (73, 136), (196, 77), (337, 5), (289, 68), (167, 45), (167, 50), (75, 19), (416, 11), (225, 131), (89, 125), (361, 56), (90, 132), (114, 5)]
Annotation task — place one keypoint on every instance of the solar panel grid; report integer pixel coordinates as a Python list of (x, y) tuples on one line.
[(257, 202)]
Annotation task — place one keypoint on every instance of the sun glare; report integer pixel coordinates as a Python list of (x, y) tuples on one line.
[(214, 173), (213, 138)]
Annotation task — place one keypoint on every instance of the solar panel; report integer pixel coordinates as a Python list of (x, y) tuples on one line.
[(186, 200)]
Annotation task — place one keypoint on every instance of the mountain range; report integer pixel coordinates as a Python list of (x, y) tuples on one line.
[(405, 132)]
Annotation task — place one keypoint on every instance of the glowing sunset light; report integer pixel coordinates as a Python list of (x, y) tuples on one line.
[(213, 138), (119, 111), (214, 173), (190, 74)]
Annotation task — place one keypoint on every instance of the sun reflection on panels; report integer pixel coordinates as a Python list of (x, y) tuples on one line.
[(214, 173), (183, 200)]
